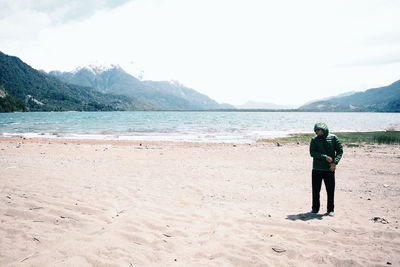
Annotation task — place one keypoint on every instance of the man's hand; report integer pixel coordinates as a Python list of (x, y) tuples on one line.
[(332, 167), (329, 159)]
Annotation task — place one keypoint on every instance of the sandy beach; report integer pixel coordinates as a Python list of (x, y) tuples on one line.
[(109, 203)]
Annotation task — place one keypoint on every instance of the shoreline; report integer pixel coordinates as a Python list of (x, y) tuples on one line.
[(352, 137), (143, 143)]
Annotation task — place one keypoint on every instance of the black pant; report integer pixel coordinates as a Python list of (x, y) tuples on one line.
[(329, 181)]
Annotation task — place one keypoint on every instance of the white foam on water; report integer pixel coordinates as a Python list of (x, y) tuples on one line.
[(249, 137)]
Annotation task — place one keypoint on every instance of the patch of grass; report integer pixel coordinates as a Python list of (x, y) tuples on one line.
[(292, 138), (347, 138), (392, 137)]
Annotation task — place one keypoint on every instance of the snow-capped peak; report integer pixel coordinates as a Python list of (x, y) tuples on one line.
[(97, 68), (174, 82)]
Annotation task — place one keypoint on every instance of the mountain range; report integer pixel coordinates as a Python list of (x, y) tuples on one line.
[(165, 95), (23, 88), (382, 99)]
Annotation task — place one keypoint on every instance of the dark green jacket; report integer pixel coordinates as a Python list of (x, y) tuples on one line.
[(324, 146)]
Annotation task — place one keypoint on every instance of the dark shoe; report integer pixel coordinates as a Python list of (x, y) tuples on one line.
[(313, 211)]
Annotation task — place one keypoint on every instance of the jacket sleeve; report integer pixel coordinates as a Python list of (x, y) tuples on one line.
[(338, 150), (313, 151)]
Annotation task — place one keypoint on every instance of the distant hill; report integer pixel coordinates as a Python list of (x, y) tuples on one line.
[(23, 88), (262, 105), (164, 95), (382, 99), (331, 97)]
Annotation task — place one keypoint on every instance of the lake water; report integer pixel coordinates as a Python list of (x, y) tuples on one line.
[(237, 127)]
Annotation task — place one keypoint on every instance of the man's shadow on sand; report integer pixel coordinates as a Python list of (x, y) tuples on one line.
[(305, 216)]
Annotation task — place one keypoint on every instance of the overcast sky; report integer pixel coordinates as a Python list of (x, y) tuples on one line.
[(277, 51)]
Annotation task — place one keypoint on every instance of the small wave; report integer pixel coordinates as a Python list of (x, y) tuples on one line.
[(147, 130)]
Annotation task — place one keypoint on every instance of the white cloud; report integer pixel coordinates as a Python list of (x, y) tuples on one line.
[(58, 10), (274, 51), (22, 25)]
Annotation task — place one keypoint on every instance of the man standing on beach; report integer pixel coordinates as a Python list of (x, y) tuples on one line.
[(326, 151)]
